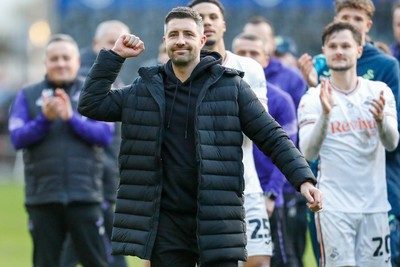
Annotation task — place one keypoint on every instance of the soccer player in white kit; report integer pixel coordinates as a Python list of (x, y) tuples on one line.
[(348, 122), (259, 242)]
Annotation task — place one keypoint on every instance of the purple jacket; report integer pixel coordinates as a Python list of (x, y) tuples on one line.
[(62, 160), (287, 78), (25, 131), (291, 81), (281, 108)]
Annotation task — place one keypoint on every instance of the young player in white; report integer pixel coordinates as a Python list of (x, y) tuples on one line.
[(259, 242), (348, 122)]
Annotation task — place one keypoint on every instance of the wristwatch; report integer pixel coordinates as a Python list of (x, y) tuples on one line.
[(270, 195)]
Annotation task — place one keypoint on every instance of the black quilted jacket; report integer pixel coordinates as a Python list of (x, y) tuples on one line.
[(226, 107)]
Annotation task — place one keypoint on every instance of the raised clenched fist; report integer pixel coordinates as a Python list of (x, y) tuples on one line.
[(128, 45)]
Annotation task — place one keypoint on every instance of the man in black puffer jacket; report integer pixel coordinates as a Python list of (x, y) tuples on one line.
[(180, 200)]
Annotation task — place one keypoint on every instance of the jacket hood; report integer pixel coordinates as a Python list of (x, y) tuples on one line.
[(369, 49), (196, 80), (207, 60)]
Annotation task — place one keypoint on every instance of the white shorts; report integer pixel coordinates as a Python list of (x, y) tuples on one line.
[(353, 239), (259, 242)]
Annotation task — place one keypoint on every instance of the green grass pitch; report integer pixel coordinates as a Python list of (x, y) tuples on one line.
[(15, 241)]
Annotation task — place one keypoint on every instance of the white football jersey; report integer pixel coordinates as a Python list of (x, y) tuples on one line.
[(352, 158), (255, 77)]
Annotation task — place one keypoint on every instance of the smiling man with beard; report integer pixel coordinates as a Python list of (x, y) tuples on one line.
[(180, 199)]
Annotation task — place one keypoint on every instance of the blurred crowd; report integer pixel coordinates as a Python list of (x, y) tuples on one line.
[(292, 77)]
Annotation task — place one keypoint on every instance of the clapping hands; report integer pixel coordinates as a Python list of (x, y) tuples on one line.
[(378, 106), (57, 106)]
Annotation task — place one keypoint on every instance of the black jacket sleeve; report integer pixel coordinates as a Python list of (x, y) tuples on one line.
[(270, 138), (97, 101)]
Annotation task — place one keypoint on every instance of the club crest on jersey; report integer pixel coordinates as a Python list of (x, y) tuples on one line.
[(334, 254), (368, 101), (45, 92)]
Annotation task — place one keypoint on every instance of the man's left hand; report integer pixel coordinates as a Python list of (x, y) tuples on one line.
[(313, 196)]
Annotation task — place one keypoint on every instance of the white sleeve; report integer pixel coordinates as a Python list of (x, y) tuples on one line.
[(253, 74), (388, 132), (255, 77), (313, 125), (312, 137)]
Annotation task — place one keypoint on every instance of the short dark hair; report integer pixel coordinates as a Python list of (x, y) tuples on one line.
[(183, 12), (334, 27), (247, 36), (256, 20), (107, 24), (215, 2), (61, 37), (366, 5)]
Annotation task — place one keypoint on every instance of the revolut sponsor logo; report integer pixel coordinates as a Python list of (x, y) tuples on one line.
[(345, 126)]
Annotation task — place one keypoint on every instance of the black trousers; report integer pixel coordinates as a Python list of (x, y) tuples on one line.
[(69, 257), (284, 255), (296, 221), (50, 223), (176, 243)]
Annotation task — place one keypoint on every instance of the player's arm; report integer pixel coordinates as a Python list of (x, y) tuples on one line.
[(313, 133), (25, 131), (384, 113)]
